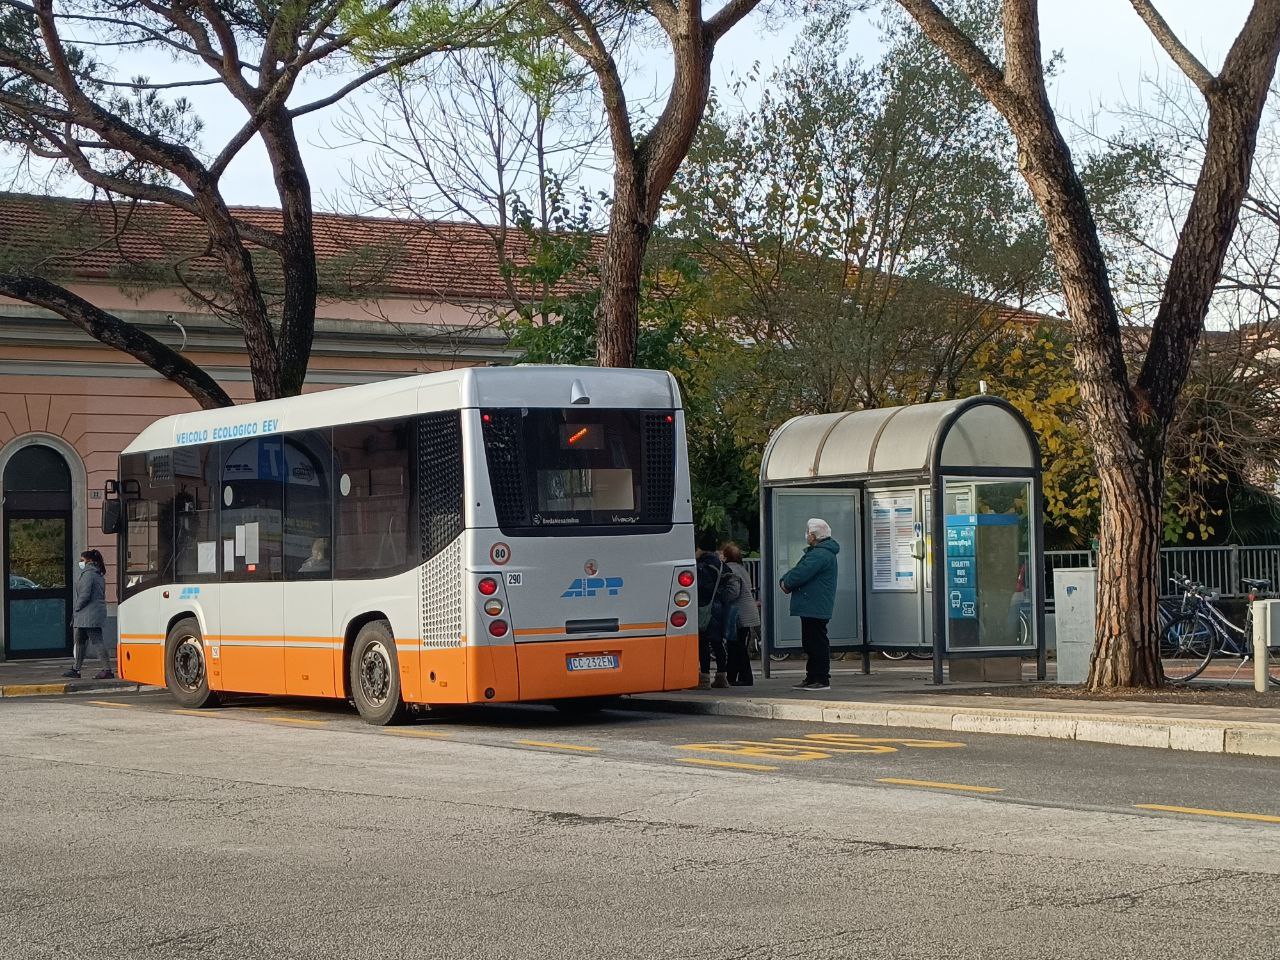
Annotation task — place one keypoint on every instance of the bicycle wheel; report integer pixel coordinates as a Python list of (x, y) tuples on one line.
[(894, 654), (1168, 610), (1186, 646)]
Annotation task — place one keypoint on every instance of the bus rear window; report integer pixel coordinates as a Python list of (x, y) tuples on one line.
[(574, 468)]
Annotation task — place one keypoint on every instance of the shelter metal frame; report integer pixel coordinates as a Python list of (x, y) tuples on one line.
[(934, 477)]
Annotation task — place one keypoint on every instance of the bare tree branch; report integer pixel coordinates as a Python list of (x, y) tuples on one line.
[(1196, 71)]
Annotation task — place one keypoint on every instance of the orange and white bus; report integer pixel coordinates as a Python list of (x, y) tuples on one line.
[(476, 536)]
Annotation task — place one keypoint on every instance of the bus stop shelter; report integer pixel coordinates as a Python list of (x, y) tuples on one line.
[(937, 509)]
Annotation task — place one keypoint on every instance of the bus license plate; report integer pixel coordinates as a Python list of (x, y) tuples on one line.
[(602, 661)]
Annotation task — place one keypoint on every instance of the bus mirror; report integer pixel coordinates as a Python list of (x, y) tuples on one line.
[(111, 517)]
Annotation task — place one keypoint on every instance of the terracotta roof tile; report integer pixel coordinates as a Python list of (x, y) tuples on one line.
[(93, 240)]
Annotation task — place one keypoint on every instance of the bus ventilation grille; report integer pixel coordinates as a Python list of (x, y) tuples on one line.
[(504, 447), (659, 478), (442, 598), (440, 488)]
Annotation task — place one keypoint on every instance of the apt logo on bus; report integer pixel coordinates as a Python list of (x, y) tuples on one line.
[(592, 586)]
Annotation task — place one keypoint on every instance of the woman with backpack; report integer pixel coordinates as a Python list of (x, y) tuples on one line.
[(748, 618)]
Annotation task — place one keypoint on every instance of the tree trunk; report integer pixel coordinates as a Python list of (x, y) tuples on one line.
[(1127, 649), (621, 271), (297, 253)]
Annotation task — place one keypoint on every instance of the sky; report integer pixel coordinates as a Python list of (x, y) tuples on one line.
[(1107, 52)]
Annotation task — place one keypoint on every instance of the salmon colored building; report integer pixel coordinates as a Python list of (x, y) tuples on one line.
[(399, 299)]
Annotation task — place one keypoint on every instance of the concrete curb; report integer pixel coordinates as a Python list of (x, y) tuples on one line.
[(1170, 733), (67, 688)]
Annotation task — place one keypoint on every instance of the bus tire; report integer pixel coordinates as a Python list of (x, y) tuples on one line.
[(185, 672), (373, 673)]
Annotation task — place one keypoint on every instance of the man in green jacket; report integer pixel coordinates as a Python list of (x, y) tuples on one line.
[(811, 584)]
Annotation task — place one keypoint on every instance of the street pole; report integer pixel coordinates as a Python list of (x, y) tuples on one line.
[(1261, 639)]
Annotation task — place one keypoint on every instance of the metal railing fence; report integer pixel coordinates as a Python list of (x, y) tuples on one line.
[(1219, 568)]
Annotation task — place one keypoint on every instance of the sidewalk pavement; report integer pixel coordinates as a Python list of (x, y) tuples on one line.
[(38, 678), (901, 695)]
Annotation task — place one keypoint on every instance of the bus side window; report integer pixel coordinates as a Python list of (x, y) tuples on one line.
[(148, 547), (195, 513), (308, 505), (252, 514), (375, 501)]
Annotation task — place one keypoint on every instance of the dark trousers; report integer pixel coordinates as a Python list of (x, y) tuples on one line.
[(813, 637), (739, 659), (711, 645)]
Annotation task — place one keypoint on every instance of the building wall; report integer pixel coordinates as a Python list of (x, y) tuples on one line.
[(95, 400)]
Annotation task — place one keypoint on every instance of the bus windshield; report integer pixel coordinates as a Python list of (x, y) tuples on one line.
[(556, 468)]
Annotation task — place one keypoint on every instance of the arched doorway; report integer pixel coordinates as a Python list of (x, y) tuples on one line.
[(37, 553)]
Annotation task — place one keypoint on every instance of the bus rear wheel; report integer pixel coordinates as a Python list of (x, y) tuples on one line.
[(373, 673), (185, 672)]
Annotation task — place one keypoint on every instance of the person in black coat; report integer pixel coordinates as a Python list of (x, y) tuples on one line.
[(717, 593)]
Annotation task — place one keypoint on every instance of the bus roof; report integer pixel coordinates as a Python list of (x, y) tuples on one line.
[(524, 385)]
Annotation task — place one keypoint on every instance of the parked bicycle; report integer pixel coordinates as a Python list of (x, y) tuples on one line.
[(1200, 631)]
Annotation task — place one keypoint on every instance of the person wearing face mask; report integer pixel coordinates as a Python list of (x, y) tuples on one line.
[(90, 614)]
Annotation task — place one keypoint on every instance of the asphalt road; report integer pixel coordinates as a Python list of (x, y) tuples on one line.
[(291, 829)]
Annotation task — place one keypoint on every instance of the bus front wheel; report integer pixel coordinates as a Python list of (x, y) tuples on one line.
[(185, 672), (373, 673)]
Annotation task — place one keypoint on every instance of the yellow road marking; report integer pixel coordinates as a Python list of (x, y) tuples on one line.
[(829, 747), (415, 733), (759, 749), (1231, 815), (967, 787), (196, 713), (852, 739), (110, 703), (299, 722), (724, 763), (558, 746)]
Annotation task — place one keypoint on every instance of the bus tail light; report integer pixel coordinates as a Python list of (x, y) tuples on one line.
[(493, 607), (681, 598), (488, 586), (498, 628), (685, 579), (678, 619)]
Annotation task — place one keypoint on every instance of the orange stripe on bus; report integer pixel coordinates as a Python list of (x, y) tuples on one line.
[(142, 636)]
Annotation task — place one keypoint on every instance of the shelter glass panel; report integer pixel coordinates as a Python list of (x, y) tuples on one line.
[(990, 602), (791, 512)]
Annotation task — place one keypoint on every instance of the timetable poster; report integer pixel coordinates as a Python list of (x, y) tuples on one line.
[(893, 537)]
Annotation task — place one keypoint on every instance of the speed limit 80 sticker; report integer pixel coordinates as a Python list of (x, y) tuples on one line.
[(500, 553)]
